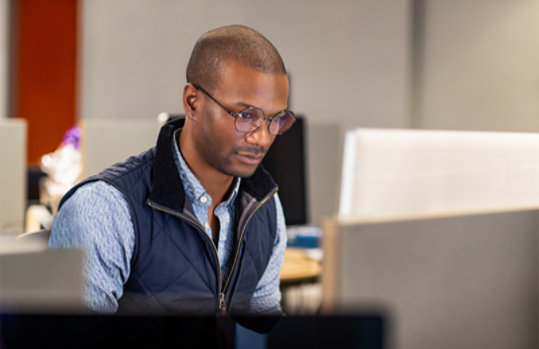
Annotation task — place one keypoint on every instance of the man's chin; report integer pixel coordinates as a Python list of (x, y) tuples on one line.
[(247, 174), (244, 172)]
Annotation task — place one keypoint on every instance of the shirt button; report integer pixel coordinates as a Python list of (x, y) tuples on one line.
[(206, 225), (203, 199)]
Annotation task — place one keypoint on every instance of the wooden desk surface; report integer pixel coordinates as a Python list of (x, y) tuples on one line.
[(298, 267)]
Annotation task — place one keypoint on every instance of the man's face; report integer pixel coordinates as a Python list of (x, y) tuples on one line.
[(217, 142)]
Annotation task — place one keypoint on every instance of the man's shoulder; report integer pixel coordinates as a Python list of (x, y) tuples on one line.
[(115, 181), (127, 175), (95, 194), (98, 188)]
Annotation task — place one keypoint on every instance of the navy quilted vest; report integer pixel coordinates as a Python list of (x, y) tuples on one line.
[(175, 267)]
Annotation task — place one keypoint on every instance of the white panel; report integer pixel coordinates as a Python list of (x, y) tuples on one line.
[(12, 175), (395, 173), (105, 142)]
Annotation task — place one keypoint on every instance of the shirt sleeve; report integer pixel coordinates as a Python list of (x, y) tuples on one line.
[(267, 296), (96, 218)]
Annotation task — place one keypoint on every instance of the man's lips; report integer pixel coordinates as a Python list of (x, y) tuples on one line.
[(250, 157)]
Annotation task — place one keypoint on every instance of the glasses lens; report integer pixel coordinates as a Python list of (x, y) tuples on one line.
[(282, 122), (249, 119)]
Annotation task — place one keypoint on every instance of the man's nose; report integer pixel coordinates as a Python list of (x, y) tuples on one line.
[(260, 136)]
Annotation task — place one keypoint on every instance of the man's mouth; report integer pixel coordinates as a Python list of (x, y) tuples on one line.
[(250, 158)]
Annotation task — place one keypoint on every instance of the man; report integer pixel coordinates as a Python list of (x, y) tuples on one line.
[(193, 225)]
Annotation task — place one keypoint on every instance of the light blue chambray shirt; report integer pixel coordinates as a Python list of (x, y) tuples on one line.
[(96, 217)]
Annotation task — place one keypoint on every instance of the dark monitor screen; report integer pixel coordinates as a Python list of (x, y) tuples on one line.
[(285, 161)]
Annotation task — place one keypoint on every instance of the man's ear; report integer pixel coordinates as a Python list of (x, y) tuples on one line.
[(190, 101)]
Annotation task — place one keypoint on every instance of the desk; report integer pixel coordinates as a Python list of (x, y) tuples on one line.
[(298, 267), (298, 270)]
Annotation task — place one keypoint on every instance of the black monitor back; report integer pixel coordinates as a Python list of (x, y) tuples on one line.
[(285, 161)]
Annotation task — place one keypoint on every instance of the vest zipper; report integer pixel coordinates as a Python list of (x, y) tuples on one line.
[(222, 305), (222, 289), (244, 226), (222, 308)]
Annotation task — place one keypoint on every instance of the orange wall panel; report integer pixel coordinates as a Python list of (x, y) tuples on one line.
[(46, 71)]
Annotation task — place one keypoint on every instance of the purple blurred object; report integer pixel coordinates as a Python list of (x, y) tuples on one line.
[(72, 136)]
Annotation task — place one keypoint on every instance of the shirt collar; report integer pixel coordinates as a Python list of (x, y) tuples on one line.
[(193, 189)]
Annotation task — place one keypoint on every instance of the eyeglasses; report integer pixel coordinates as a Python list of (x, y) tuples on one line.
[(250, 118)]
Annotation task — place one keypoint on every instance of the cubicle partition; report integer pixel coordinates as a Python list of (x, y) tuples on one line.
[(107, 141), (439, 230), (466, 281), (12, 175)]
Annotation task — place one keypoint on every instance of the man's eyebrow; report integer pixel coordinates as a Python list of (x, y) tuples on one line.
[(244, 105)]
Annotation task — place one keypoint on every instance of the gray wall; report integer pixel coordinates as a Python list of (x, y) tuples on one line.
[(348, 59), (480, 66), (445, 64)]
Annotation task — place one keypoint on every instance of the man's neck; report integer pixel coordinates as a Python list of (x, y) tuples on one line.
[(217, 186), (215, 183)]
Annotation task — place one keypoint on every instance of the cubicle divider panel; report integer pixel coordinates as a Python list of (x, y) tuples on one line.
[(107, 141), (12, 175), (468, 281)]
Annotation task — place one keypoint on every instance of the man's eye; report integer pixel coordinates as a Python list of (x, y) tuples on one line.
[(246, 115)]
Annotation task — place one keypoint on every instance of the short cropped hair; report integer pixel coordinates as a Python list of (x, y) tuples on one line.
[(236, 43)]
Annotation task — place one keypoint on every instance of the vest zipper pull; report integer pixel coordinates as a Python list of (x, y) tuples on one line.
[(222, 306)]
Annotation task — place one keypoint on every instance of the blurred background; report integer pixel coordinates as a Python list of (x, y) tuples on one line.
[(439, 64)]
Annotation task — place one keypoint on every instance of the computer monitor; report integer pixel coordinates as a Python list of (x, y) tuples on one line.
[(285, 161), (397, 173)]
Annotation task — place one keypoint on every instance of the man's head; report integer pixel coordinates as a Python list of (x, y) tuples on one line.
[(231, 69), (235, 43)]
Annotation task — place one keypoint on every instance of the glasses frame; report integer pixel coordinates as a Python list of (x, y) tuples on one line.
[(237, 115)]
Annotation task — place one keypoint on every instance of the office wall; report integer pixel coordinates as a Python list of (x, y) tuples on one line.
[(348, 59), (4, 55), (480, 65)]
